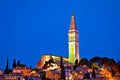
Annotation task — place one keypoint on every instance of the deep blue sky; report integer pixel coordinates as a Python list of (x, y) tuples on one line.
[(31, 28)]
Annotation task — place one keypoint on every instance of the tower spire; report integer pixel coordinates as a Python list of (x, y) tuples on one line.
[(73, 23), (73, 13)]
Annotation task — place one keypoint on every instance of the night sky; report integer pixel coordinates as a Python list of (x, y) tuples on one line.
[(32, 28)]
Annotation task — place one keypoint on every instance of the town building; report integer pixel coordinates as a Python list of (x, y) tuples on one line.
[(73, 48), (23, 69), (53, 74)]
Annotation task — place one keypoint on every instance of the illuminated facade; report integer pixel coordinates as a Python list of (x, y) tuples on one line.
[(73, 48), (73, 41), (41, 62), (47, 57), (53, 74), (22, 70)]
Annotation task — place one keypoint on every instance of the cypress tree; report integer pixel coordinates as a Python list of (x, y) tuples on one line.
[(76, 64), (62, 69), (6, 71), (7, 64), (14, 63), (18, 63), (93, 73)]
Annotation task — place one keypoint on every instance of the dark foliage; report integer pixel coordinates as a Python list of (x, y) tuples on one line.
[(62, 69), (7, 70), (84, 61), (93, 73), (43, 75), (113, 72), (18, 63), (86, 76), (48, 63), (118, 66), (14, 64), (76, 64), (95, 60)]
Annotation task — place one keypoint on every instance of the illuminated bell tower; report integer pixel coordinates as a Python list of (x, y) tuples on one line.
[(73, 41)]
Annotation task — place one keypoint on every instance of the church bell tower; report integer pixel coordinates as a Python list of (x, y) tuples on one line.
[(73, 41)]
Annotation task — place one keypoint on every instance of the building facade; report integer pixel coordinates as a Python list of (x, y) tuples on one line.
[(73, 47), (73, 41)]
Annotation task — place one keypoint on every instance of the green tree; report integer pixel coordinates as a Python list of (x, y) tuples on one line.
[(93, 73), (95, 60), (6, 70), (62, 69), (76, 64), (84, 61), (104, 61), (18, 62), (111, 62), (14, 63)]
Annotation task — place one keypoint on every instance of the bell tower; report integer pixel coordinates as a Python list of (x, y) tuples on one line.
[(73, 41)]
